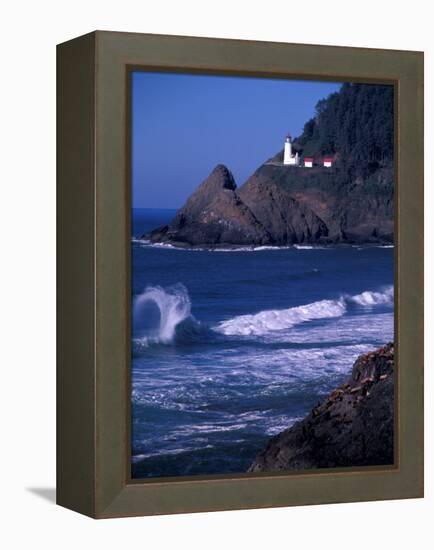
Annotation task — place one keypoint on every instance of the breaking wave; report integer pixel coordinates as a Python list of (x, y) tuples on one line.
[(279, 319), (159, 314), (163, 316), (370, 298)]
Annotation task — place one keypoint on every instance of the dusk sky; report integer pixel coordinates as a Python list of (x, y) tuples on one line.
[(183, 125)]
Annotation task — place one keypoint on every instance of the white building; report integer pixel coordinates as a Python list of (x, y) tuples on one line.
[(308, 162), (288, 158), (328, 162)]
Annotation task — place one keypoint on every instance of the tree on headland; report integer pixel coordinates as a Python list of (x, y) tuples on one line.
[(356, 125)]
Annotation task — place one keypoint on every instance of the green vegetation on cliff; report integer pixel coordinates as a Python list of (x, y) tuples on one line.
[(356, 125)]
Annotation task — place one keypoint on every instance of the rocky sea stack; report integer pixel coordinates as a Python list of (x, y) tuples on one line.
[(353, 426), (260, 213), (214, 214)]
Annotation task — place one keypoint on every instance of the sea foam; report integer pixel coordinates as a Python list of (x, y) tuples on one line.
[(370, 298), (279, 319), (174, 307), (176, 323), (275, 319)]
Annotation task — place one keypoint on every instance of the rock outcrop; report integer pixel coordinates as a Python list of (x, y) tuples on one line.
[(353, 426), (286, 219), (214, 214), (281, 205), (352, 210)]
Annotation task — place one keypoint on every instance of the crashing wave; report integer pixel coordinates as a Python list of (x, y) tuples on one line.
[(174, 323), (279, 319), (270, 320), (371, 298), (173, 306)]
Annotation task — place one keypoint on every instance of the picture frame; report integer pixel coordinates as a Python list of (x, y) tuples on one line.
[(94, 349)]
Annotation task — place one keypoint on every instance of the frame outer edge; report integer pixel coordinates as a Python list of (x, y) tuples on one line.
[(115, 495), (75, 408), (411, 277)]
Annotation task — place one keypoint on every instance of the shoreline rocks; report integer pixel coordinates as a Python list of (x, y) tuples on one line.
[(353, 426)]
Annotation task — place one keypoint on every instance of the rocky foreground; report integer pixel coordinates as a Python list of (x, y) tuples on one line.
[(353, 426)]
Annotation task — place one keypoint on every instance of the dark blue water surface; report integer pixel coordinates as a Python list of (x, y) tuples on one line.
[(232, 346)]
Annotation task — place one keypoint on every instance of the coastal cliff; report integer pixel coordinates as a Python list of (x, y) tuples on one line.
[(280, 205), (353, 426), (350, 202)]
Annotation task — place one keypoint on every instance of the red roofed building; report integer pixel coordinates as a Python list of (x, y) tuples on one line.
[(328, 162), (308, 162)]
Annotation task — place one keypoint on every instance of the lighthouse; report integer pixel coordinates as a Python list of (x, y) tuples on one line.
[(288, 158), (287, 151)]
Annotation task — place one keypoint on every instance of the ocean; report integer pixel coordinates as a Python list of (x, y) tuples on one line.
[(230, 347)]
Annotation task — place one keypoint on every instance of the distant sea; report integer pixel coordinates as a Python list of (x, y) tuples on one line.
[(232, 347)]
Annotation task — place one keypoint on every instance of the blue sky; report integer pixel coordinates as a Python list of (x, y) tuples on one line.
[(183, 125)]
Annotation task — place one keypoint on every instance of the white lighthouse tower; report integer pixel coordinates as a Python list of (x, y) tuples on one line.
[(288, 158)]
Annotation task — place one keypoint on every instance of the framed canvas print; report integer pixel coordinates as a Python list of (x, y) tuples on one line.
[(240, 242)]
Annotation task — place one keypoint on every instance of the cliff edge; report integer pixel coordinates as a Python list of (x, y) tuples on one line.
[(353, 426)]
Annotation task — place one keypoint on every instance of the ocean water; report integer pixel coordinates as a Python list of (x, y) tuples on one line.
[(230, 347)]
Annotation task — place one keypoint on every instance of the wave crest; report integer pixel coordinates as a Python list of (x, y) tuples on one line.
[(370, 298), (173, 306), (265, 321), (174, 323), (271, 320)]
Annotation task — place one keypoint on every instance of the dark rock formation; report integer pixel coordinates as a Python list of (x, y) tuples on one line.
[(353, 426), (352, 211), (280, 205), (287, 220), (214, 215)]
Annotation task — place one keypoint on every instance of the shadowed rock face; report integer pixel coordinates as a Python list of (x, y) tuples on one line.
[(287, 220), (213, 215), (353, 426), (352, 211), (260, 214)]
